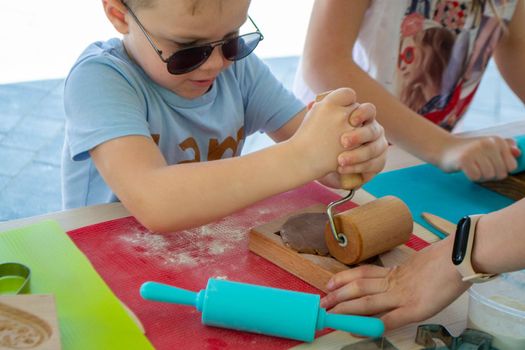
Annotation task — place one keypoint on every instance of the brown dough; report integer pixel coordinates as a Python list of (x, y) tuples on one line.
[(304, 233)]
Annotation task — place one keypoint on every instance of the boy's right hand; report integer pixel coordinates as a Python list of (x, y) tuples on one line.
[(326, 141), (318, 139)]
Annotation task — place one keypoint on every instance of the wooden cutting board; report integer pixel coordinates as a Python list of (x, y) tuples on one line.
[(513, 186), (316, 270)]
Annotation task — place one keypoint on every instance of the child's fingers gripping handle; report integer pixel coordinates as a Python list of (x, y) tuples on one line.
[(348, 181)]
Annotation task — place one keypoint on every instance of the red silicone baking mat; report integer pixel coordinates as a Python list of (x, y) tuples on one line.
[(126, 255)]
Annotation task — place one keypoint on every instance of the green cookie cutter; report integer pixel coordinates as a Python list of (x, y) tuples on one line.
[(14, 278)]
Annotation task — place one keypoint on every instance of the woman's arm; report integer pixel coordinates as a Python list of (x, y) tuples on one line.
[(328, 63), (500, 240), (510, 52)]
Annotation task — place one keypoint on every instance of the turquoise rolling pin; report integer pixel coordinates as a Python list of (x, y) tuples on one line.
[(263, 310)]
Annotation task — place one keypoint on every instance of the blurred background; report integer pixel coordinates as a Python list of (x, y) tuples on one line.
[(42, 39)]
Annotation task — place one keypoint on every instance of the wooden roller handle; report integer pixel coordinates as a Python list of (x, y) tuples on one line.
[(348, 181)]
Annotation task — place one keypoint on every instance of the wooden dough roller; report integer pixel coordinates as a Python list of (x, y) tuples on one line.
[(363, 232), (370, 229)]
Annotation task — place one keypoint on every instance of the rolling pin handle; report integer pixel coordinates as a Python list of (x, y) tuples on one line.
[(362, 325), (164, 293)]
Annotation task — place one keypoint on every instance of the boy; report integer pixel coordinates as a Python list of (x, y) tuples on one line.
[(156, 120)]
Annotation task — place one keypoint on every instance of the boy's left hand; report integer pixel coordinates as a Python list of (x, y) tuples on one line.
[(365, 147)]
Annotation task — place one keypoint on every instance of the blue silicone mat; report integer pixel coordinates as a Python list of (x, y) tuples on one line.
[(425, 188)]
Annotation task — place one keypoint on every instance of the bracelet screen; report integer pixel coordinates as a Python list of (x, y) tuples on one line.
[(461, 240)]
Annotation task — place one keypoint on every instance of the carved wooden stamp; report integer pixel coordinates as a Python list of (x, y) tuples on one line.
[(29, 322)]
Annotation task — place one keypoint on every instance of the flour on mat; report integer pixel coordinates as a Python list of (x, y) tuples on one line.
[(199, 244), (181, 259), (152, 244), (217, 247), (157, 246)]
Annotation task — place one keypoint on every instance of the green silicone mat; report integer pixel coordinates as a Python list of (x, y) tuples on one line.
[(89, 314)]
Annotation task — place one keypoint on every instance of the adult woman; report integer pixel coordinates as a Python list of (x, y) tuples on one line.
[(365, 44)]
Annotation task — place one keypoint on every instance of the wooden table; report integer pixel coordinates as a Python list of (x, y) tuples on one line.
[(453, 317)]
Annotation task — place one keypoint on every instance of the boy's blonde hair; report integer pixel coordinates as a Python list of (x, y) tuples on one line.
[(192, 5)]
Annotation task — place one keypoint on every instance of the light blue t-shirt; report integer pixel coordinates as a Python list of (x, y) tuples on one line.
[(108, 96)]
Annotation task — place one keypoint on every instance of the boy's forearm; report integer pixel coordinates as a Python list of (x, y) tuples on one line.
[(189, 195), (500, 240)]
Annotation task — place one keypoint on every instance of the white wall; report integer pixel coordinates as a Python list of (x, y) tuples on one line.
[(41, 39)]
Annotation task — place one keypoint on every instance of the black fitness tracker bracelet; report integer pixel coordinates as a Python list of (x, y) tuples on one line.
[(462, 250)]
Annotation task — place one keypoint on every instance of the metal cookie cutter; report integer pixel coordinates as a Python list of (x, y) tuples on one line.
[(14, 278), (470, 339), (371, 344)]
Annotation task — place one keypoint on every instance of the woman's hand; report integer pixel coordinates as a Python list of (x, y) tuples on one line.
[(411, 292), (481, 158)]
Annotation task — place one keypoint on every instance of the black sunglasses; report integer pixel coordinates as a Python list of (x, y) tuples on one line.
[(191, 58)]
